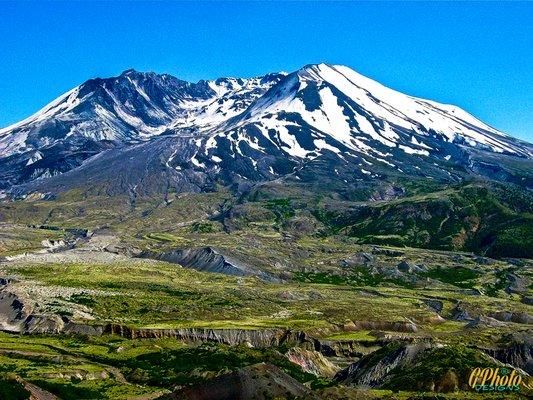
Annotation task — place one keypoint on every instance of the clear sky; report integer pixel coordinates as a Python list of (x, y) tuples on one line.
[(478, 56)]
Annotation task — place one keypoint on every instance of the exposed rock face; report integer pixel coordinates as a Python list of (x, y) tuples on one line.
[(387, 252), (356, 259), (43, 324), (258, 382), (256, 338), (73, 328), (122, 249), (518, 351), (527, 300), (208, 259), (508, 316), (13, 312), (484, 322), (400, 326), (373, 373), (460, 314), (289, 295), (434, 305), (422, 366), (518, 355), (517, 284), (410, 268), (17, 314), (387, 193), (21, 314), (312, 362)]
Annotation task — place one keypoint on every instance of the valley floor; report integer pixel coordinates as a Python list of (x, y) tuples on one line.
[(90, 315)]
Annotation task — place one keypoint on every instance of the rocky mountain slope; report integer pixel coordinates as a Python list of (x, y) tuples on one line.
[(156, 133), (105, 113)]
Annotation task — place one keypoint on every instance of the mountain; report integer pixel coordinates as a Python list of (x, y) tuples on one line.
[(146, 133), (102, 114)]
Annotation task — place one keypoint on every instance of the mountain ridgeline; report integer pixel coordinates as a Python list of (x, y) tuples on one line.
[(349, 154)]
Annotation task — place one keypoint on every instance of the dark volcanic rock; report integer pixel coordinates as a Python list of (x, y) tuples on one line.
[(515, 349), (357, 259), (410, 268), (434, 305), (460, 314), (390, 367), (387, 252), (508, 316), (484, 322), (517, 284), (258, 382), (373, 373), (208, 259), (527, 300)]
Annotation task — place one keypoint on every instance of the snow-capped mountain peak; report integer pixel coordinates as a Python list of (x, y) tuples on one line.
[(339, 102), (317, 111)]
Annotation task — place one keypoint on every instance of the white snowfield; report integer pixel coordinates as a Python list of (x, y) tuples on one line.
[(379, 103), (349, 113)]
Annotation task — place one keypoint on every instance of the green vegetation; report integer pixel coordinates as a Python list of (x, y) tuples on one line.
[(144, 293), (458, 276), (282, 208), (10, 389), (364, 336), (117, 368), (358, 276), (321, 248), (16, 239), (435, 364)]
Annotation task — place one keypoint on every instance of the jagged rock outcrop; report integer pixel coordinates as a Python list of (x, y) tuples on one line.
[(410, 268), (387, 252), (419, 366), (47, 323), (484, 322), (13, 311), (516, 349), (459, 313), (527, 300), (360, 258), (434, 305), (20, 314), (17, 314), (517, 284), (372, 372), (256, 338), (517, 355), (399, 326), (209, 259), (509, 316)]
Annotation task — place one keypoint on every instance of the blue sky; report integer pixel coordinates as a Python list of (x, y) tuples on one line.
[(475, 55)]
